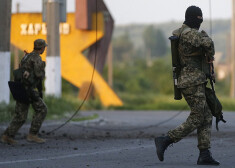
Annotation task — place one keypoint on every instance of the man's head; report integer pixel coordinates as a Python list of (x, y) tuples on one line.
[(193, 17), (39, 45)]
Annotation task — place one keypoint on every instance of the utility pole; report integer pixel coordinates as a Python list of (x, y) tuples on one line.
[(5, 55), (53, 67), (110, 65), (232, 89), (16, 50)]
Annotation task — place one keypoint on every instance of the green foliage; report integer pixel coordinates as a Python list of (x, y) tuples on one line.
[(161, 45), (150, 101), (69, 88), (155, 41), (227, 103), (58, 108), (139, 78), (148, 36), (122, 48), (222, 87), (93, 104), (67, 105), (6, 111), (161, 76)]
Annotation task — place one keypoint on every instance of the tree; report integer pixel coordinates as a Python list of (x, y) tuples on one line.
[(161, 45), (155, 41), (122, 47)]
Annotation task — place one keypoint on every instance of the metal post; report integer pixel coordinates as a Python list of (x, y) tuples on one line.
[(16, 57), (5, 55), (232, 89), (110, 65), (15, 49), (53, 67), (17, 7)]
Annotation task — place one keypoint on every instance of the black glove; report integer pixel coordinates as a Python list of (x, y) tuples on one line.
[(41, 94), (39, 87), (218, 119)]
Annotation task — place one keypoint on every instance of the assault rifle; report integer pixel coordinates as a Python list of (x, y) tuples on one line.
[(212, 82)]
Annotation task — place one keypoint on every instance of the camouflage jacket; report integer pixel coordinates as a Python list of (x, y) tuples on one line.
[(195, 50), (33, 64)]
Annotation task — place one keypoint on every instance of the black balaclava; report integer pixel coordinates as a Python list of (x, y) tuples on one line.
[(191, 17)]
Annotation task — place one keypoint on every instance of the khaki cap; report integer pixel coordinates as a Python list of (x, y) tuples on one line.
[(40, 43)]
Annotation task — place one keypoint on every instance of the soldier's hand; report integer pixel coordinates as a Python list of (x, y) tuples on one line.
[(221, 118), (41, 94), (26, 74), (211, 59), (218, 119)]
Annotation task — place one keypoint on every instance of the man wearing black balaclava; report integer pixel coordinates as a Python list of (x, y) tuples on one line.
[(193, 17), (196, 51)]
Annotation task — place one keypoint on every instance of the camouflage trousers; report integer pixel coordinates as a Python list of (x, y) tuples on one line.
[(20, 116), (200, 117)]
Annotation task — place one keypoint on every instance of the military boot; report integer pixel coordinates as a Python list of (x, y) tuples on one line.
[(205, 158), (35, 138), (161, 144), (8, 140)]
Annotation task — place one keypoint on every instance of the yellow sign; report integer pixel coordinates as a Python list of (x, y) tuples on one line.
[(36, 28), (26, 27)]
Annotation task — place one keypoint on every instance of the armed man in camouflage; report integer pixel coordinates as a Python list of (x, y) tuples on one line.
[(33, 73), (196, 50)]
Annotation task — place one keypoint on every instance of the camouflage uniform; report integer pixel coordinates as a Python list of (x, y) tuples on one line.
[(194, 46), (33, 64)]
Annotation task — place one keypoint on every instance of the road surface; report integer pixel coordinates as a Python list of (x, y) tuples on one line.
[(117, 139)]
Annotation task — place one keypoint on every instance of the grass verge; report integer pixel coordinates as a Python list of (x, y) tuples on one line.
[(90, 117), (58, 108), (64, 107), (163, 102)]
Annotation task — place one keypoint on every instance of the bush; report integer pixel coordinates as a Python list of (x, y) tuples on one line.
[(58, 108), (139, 78), (6, 111)]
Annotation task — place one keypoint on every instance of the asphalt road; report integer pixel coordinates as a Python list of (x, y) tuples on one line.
[(117, 139)]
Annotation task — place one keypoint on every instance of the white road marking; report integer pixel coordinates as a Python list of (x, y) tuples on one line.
[(73, 155)]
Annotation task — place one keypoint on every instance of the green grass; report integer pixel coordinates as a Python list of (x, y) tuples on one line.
[(91, 117), (6, 111), (64, 107), (227, 103), (164, 102), (58, 108), (151, 102)]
